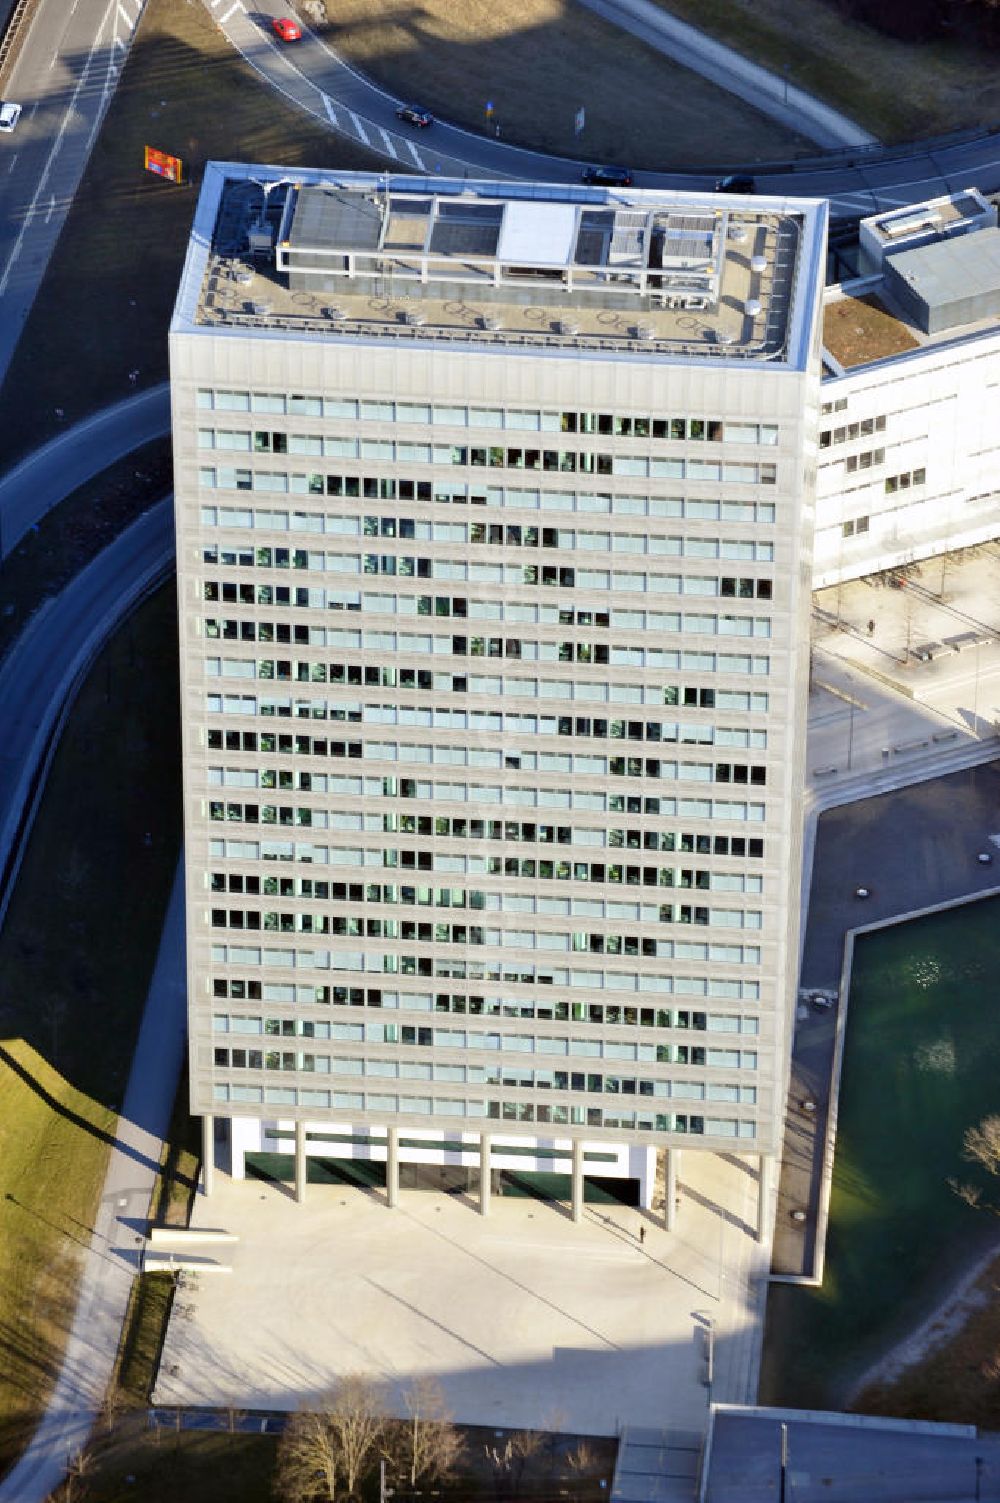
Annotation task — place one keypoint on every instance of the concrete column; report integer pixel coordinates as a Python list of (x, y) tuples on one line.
[(577, 1180), (392, 1168), (485, 1173), (207, 1155), (671, 1165), (766, 1163), (300, 1162)]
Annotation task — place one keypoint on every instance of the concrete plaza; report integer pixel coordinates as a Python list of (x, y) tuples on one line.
[(527, 1319)]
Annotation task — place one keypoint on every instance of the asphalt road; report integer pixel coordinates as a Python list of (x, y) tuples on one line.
[(51, 473), (310, 75), (64, 77)]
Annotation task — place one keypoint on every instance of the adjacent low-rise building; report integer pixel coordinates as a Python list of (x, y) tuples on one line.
[(909, 461)]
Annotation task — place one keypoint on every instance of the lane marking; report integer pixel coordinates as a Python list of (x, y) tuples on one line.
[(12, 161), (414, 153), (331, 112), (390, 148), (51, 208), (359, 128), (125, 16), (230, 12), (64, 126)]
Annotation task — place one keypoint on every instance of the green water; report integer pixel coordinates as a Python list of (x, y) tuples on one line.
[(921, 1064)]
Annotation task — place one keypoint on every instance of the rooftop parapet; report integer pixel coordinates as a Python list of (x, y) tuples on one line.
[(511, 264)]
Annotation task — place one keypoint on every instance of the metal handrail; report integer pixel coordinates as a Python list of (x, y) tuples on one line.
[(11, 34)]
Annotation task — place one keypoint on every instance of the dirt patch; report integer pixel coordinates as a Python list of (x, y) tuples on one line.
[(859, 329), (538, 62), (950, 83), (949, 1367)]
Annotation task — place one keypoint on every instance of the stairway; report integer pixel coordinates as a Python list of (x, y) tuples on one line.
[(657, 1466)]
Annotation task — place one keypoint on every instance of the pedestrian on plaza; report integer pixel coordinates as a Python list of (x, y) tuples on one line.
[(642, 1235), (871, 628)]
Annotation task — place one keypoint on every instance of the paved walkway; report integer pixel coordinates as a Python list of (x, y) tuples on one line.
[(520, 1315), (903, 786), (110, 1262)]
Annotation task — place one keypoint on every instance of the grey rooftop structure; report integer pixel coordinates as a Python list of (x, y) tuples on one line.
[(950, 283), (678, 274), (757, 1455), (887, 234)]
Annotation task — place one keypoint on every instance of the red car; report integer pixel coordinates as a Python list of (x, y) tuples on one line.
[(287, 30)]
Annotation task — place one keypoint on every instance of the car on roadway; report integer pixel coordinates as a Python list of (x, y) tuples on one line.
[(736, 182), (610, 177), (412, 114), (287, 29), (10, 114)]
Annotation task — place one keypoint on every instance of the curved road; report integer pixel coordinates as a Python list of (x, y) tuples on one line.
[(50, 474), (311, 76)]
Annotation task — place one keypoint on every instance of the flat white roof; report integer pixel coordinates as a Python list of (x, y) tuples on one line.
[(538, 234)]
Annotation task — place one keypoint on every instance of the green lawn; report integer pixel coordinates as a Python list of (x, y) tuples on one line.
[(921, 1064)]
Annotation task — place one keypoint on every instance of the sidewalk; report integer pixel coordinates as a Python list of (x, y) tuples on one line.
[(900, 799)]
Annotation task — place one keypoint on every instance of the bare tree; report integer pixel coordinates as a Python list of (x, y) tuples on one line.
[(234, 1418), (307, 1460), (517, 1456), (328, 1453), (426, 1446), (501, 1459), (981, 1145), (526, 1446), (580, 1460), (73, 1488)]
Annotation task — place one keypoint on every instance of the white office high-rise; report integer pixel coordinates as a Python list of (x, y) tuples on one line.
[(494, 521)]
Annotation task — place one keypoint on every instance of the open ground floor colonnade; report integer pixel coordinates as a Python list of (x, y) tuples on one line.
[(488, 1153)]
